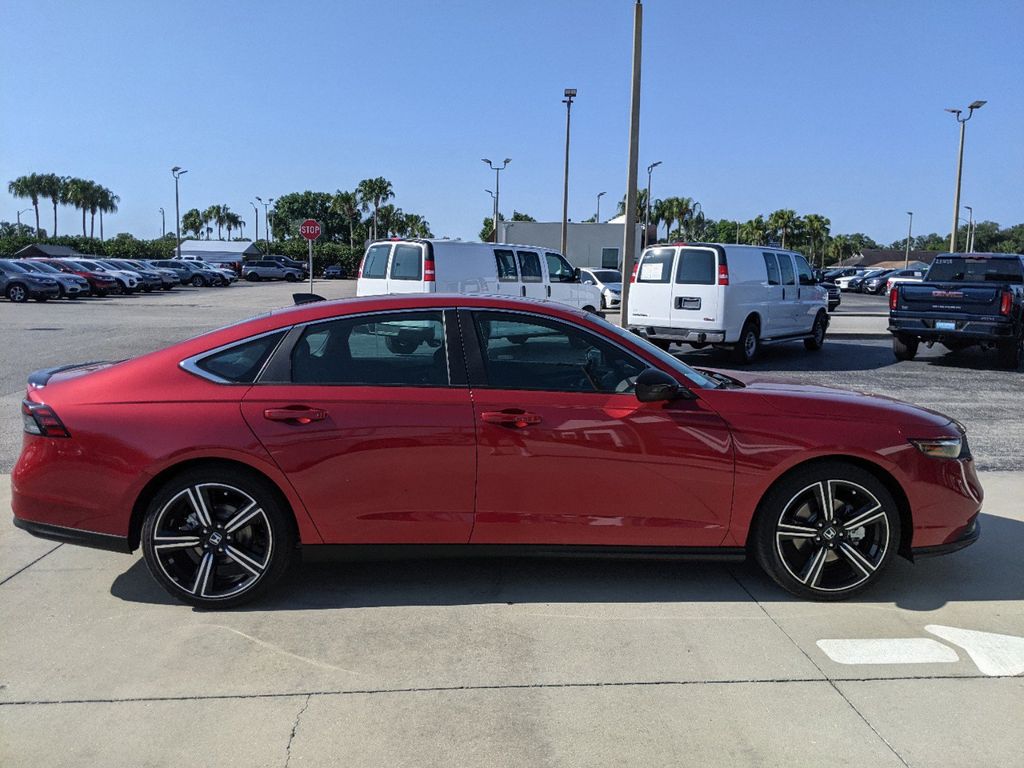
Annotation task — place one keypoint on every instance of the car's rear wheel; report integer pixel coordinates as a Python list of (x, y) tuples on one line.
[(252, 277), (1011, 353), (816, 340), (17, 292), (198, 281), (290, 277), (904, 348), (217, 537), (749, 344), (827, 532)]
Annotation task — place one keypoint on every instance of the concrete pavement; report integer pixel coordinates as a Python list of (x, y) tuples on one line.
[(503, 662)]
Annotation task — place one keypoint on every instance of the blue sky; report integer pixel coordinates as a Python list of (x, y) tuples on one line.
[(830, 107)]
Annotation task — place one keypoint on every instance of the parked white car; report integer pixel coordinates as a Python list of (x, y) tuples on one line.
[(608, 281), (454, 266), (737, 296), (843, 283), (904, 276)]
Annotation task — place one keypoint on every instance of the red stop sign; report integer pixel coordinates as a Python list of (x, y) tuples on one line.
[(310, 229)]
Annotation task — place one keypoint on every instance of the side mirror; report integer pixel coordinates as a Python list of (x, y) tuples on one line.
[(653, 385), (576, 275)]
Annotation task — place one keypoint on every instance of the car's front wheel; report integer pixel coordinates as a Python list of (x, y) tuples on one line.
[(217, 537), (17, 292), (827, 531), (198, 281), (816, 340)]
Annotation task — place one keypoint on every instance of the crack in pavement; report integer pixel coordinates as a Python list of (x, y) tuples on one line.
[(295, 727), (25, 568)]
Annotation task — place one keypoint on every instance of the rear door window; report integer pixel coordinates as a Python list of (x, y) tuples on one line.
[(506, 260), (771, 265), (529, 267), (786, 267), (696, 267), (407, 263), (376, 263), (656, 266)]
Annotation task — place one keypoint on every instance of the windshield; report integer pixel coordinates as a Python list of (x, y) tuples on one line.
[(674, 362), (40, 266), (608, 275), (12, 266), (955, 269)]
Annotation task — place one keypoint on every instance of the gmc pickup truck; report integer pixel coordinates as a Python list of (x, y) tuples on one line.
[(965, 300)]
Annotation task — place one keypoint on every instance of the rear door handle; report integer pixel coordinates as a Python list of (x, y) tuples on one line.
[(510, 417), (300, 414), (522, 290), (549, 289)]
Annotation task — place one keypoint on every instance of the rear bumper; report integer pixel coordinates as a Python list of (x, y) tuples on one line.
[(924, 328), (687, 335), (75, 536), (969, 535)]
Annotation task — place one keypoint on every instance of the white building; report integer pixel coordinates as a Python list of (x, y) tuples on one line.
[(219, 250), (587, 245)]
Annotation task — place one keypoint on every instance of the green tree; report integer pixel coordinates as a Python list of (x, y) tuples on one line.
[(817, 228), (755, 231), (348, 206), (641, 205), (782, 222), (487, 230), (292, 209), (52, 186), (80, 194), (27, 188), (107, 204), (417, 226), (519, 216), (193, 222), (215, 215), (232, 221), (390, 219), (375, 191)]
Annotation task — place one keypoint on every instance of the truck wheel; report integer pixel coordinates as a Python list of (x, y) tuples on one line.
[(816, 340), (663, 344), (1011, 354), (904, 349), (749, 344)]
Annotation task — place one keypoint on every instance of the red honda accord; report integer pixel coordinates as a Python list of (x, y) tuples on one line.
[(475, 425)]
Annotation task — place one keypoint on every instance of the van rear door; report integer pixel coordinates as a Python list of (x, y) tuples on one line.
[(650, 297), (508, 273), (373, 274), (696, 295), (406, 273)]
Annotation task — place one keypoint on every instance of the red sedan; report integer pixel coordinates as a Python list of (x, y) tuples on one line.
[(475, 425)]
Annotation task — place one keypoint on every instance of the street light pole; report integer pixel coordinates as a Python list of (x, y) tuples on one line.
[(256, 212), (970, 229), (177, 172), (647, 208), (629, 230), (959, 165), (497, 190), (910, 226), (494, 204), (570, 94), (266, 218), (597, 216), (163, 224), (23, 210)]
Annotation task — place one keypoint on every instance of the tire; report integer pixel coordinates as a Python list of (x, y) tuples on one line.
[(904, 349), (749, 344), (199, 518), (17, 293), (42, 299), (698, 344), (99, 292), (147, 289), (252, 277), (198, 281), (604, 304), (590, 309), (166, 287), (827, 531), (817, 339), (61, 294), (662, 344), (1011, 353), (125, 290), (290, 277)]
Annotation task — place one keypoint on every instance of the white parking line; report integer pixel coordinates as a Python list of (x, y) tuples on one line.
[(898, 650), (995, 655)]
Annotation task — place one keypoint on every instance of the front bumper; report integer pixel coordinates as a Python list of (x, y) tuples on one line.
[(969, 535), (44, 291), (687, 335), (74, 536)]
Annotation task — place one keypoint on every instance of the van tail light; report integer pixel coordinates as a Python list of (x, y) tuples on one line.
[(632, 275), (39, 419), (1005, 303), (723, 274), (428, 268), (362, 262), (894, 297)]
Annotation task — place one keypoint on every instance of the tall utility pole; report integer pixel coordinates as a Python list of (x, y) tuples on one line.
[(163, 224), (959, 166), (597, 216), (23, 210), (177, 172), (266, 217), (910, 226), (629, 235), (256, 212), (570, 94), (647, 207), (970, 228), (497, 190)]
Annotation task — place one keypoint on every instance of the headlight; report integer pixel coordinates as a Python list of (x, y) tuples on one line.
[(940, 447)]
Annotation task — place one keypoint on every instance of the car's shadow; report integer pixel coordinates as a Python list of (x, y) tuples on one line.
[(991, 570)]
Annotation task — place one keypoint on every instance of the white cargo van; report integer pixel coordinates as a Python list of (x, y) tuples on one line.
[(454, 266), (738, 296)]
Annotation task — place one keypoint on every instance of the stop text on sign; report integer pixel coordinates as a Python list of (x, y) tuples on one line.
[(310, 229)]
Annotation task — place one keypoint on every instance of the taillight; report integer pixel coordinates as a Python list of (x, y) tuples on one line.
[(723, 274), (894, 296), (428, 268), (361, 263), (1005, 303), (39, 419), (632, 275)]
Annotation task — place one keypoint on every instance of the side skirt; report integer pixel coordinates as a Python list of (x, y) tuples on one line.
[(356, 552)]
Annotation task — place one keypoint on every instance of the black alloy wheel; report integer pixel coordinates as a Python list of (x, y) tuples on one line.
[(827, 531), (17, 293), (217, 538)]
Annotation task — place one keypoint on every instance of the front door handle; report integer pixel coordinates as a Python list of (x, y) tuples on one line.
[(510, 417), (522, 290), (300, 414)]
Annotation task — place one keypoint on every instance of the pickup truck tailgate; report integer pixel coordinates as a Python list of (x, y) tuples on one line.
[(950, 297)]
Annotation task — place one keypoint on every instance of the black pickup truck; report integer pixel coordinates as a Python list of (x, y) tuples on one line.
[(965, 300)]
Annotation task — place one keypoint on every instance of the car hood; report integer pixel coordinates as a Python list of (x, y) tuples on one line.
[(617, 287), (834, 404)]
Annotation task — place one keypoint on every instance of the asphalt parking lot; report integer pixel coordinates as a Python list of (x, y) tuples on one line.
[(516, 662)]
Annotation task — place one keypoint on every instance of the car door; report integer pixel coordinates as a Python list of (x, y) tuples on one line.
[(372, 428), (531, 274), (776, 311), (650, 302), (373, 271), (790, 309), (566, 453)]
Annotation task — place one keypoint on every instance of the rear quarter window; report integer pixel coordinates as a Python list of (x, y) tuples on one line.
[(656, 266), (241, 363)]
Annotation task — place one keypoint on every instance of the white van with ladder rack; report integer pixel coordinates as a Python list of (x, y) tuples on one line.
[(454, 266), (735, 296)]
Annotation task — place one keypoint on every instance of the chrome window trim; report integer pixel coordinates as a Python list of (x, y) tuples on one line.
[(191, 364)]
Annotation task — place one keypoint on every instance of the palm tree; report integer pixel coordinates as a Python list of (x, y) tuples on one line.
[(349, 207), (79, 193), (375, 191), (52, 186), (107, 204), (755, 231), (840, 247), (416, 226), (193, 222), (783, 222), (27, 187), (214, 215), (641, 205), (231, 220), (390, 219), (817, 227)]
